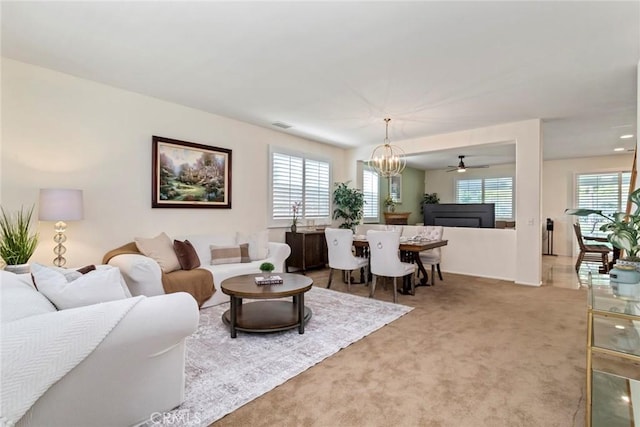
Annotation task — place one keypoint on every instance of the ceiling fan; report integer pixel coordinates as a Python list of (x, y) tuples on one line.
[(462, 167)]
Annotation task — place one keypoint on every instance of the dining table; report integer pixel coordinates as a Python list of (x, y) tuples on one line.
[(410, 249)]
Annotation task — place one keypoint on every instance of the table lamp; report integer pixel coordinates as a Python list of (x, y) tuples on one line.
[(60, 205)]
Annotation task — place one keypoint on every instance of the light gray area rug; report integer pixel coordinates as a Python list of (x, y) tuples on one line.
[(224, 373)]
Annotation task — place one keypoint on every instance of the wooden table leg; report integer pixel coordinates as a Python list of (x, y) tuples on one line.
[(298, 301), (425, 279), (233, 315)]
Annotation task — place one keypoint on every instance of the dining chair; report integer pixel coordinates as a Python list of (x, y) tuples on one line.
[(432, 256), (591, 252), (385, 261), (339, 248)]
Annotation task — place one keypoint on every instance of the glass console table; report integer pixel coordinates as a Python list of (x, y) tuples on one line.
[(613, 355)]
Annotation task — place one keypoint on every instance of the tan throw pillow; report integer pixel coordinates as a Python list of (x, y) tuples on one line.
[(244, 253), (225, 254), (186, 254), (161, 250)]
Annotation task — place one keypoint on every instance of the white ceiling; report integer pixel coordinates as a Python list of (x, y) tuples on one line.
[(334, 70)]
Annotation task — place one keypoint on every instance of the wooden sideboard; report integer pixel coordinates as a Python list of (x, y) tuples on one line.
[(308, 250), (396, 218)]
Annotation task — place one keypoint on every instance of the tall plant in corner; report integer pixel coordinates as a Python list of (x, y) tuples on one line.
[(349, 205), (17, 242)]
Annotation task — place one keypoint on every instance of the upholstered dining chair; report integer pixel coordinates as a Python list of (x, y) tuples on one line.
[(385, 260), (432, 256), (591, 252), (339, 247)]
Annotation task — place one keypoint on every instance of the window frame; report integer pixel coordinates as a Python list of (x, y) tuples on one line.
[(302, 218), (370, 219), (482, 180), (590, 224)]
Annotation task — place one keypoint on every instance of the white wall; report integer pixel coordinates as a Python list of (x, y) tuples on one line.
[(482, 252), (64, 132), (558, 193), (527, 136)]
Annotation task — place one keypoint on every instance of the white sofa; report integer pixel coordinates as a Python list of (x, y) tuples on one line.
[(144, 276), (135, 371)]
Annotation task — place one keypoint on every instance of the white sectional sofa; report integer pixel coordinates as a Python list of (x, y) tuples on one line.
[(144, 276), (136, 371)]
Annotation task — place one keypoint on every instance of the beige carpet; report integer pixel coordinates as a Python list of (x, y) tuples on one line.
[(474, 352)]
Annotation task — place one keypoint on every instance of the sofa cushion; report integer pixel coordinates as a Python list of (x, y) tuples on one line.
[(186, 253), (19, 299), (244, 253), (225, 254), (100, 285), (258, 244), (161, 250)]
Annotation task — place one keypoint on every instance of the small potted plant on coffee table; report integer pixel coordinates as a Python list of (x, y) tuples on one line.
[(266, 268)]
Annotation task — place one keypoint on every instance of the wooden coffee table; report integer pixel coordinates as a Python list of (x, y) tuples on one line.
[(266, 316)]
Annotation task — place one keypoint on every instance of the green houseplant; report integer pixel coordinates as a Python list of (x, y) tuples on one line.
[(623, 229), (267, 268), (430, 199), (349, 205), (17, 241), (389, 204)]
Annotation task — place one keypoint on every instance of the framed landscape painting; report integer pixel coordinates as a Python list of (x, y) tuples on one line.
[(188, 175)]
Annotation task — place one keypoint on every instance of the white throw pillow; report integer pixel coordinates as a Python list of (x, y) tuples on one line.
[(159, 248), (258, 244), (94, 287), (19, 299)]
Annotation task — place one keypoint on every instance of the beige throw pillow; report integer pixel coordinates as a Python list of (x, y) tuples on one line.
[(159, 248), (225, 254)]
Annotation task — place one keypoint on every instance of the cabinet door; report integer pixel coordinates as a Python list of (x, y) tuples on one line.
[(296, 243), (315, 250)]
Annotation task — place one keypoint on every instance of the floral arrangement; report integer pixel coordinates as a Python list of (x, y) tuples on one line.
[(296, 207)]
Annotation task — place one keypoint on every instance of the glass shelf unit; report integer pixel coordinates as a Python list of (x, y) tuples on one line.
[(613, 356)]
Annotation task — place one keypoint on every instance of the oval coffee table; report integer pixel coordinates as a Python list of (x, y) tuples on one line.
[(266, 316)]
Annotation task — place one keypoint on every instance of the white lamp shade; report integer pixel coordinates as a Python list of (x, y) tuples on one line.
[(60, 205)]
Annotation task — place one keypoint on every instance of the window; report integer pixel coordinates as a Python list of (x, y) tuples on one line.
[(299, 178), (371, 191), (607, 192), (498, 191)]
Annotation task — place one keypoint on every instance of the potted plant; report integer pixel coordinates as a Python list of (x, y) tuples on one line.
[(266, 268), (349, 205), (389, 204), (430, 199), (623, 229), (296, 208), (17, 241)]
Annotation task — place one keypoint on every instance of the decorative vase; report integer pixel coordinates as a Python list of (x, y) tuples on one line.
[(18, 268), (294, 228), (266, 273)]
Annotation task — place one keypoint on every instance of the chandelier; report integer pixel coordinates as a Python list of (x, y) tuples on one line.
[(388, 159)]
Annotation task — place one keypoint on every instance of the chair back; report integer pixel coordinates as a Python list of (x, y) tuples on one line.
[(339, 245), (578, 231), (433, 232), (383, 253)]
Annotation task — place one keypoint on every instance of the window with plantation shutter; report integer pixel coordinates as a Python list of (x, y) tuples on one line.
[(371, 191), (498, 191), (298, 178), (607, 192)]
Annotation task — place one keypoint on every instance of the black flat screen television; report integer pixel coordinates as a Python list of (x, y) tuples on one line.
[(478, 215)]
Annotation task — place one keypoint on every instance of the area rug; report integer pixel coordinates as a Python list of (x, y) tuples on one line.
[(223, 373)]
